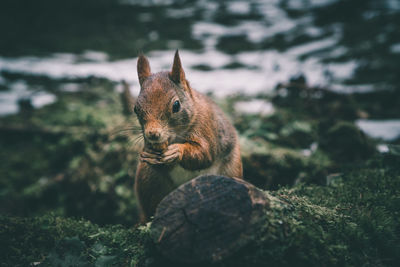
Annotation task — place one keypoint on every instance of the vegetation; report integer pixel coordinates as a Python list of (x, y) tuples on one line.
[(56, 241), (353, 221), (84, 167)]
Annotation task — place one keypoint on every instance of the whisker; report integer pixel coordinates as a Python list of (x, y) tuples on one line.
[(125, 131), (135, 141)]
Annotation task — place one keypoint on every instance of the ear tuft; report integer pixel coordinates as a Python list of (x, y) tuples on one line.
[(177, 74), (143, 68)]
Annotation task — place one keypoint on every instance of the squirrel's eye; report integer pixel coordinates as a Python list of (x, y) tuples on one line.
[(176, 106)]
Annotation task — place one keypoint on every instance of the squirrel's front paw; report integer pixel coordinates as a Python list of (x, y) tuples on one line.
[(172, 154), (151, 157)]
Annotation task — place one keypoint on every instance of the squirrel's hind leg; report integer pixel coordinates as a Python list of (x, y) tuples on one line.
[(152, 184), (233, 164)]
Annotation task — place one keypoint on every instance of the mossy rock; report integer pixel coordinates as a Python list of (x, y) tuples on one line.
[(345, 143), (269, 167), (271, 170), (54, 241), (297, 134)]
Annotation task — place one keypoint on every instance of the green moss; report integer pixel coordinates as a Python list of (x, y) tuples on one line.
[(353, 222), (298, 134), (56, 241), (345, 143), (269, 166), (370, 196)]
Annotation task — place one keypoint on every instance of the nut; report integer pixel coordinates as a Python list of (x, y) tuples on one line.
[(159, 147)]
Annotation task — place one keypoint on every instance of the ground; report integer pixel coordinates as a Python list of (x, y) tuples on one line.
[(75, 204)]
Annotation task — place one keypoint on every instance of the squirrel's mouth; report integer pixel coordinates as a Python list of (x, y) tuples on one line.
[(156, 142)]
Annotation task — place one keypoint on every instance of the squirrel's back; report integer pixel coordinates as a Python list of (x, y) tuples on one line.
[(212, 125)]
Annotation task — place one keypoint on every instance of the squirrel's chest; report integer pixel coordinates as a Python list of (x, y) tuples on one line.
[(180, 175)]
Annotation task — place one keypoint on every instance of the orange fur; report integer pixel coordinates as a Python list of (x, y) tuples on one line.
[(198, 138)]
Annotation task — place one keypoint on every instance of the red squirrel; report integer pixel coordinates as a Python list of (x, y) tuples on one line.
[(185, 135)]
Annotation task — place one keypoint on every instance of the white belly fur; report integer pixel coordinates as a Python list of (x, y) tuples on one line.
[(180, 175)]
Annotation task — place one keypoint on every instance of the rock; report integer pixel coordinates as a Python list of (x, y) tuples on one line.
[(344, 142), (207, 219)]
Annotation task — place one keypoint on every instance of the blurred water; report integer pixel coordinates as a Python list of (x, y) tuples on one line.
[(20, 91), (268, 68), (387, 130), (226, 47), (255, 106)]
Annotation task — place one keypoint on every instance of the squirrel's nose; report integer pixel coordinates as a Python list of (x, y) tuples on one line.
[(153, 135)]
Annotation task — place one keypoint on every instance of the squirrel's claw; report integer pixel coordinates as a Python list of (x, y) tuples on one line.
[(169, 159), (172, 154), (150, 158)]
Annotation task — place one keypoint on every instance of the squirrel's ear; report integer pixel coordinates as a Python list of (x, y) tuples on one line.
[(143, 68), (177, 74)]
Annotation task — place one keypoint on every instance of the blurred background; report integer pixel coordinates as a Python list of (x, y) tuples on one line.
[(312, 86)]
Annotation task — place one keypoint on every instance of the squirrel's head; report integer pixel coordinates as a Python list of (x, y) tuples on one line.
[(165, 105)]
